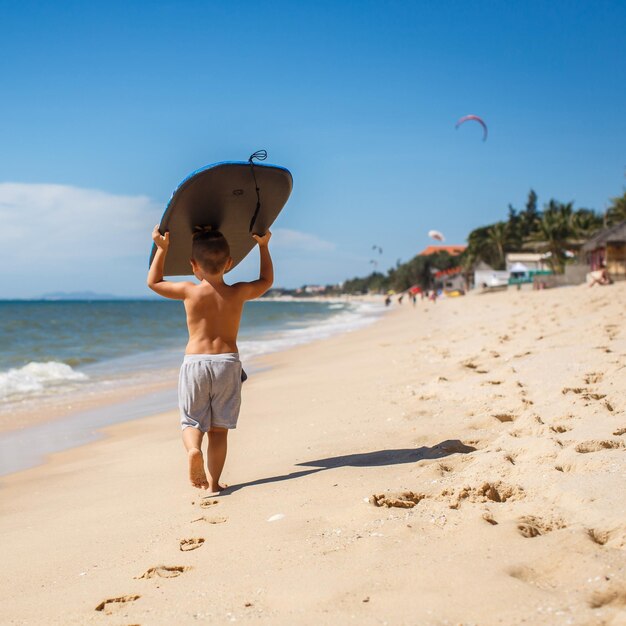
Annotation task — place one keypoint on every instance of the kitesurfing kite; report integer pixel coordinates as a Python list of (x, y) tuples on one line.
[(475, 118), (375, 247), (435, 234)]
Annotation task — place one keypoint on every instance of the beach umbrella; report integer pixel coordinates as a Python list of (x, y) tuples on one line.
[(518, 268)]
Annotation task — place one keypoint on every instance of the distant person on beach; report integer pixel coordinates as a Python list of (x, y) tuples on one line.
[(600, 277), (209, 385)]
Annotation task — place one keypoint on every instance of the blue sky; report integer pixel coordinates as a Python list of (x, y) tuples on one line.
[(106, 106)]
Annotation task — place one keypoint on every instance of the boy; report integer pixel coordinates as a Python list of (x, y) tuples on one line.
[(209, 387)]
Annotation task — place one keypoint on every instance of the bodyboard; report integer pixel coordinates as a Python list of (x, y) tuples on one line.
[(223, 196)]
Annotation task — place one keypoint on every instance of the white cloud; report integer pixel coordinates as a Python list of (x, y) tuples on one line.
[(54, 224), (65, 238), (286, 239)]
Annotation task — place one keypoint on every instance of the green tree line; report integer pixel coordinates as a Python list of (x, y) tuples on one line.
[(419, 271), (556, 229)]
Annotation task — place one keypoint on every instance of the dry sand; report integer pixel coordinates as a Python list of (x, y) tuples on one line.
[(458, 463)]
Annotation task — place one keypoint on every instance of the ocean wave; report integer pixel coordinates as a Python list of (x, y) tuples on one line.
[(35, 377), (354, 316)]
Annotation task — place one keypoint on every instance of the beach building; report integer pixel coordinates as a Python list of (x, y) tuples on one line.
[(524, 266), (608, 246), (451, 250), (451, 280), (486, 276), (531, 261), (313, 289)]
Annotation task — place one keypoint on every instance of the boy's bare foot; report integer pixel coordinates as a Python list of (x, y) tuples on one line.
[(197, 476), (215, 488)]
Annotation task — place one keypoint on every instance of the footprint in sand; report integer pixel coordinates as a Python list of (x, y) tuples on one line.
[(211, 520), (595, 445), (488, 517), (598, 536), (401, 499), (505, 417), (522, 354), (619, 431), (191, 544), (530, 526), (207, 502), (593, 377), (487, 492), (584, 393), (110, 604), (576, 390), (469, 364), (163, 571), (565, 467), (614, 597), (559, 428)]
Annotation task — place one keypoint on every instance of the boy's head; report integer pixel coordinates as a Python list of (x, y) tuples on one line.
[(210, 250)]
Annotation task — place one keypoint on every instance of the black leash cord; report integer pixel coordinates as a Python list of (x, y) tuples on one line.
[(259, 155)]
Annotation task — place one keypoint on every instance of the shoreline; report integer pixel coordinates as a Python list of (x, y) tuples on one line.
[(77, 418), (481, 427)]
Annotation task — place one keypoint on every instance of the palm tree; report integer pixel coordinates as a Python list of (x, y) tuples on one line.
[(585, 223), (479, 247), (616, 213), (499, 237), (554, 233)]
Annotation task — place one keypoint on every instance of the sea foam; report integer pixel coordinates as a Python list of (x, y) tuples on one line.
[(35, 377)]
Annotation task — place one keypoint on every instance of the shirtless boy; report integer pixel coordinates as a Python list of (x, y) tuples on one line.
[(209, 387)]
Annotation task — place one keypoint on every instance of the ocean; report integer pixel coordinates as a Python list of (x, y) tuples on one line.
[(59, 353), (49, 348)]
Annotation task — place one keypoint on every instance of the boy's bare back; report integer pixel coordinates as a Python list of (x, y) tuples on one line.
[(213, 317)]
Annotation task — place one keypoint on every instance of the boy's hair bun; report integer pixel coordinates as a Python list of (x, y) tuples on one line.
[(206, 232)]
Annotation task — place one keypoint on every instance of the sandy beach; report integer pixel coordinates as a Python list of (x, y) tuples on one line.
[(455, 463)]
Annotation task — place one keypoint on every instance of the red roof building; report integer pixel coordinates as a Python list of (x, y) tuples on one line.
[(453, 250)]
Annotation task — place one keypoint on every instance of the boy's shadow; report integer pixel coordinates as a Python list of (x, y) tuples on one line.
[(366, 459)]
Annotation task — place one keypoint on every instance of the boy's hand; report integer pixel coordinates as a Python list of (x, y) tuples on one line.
[(161, 241), (263, 240)]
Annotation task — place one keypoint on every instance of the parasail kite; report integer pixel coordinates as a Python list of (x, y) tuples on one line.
[(435, 234), (475, 118)]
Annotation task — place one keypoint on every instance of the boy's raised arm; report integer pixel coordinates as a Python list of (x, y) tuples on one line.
[(257, 288), (156, 282)]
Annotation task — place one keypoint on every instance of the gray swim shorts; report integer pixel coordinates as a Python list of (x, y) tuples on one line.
[(209, 390)]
